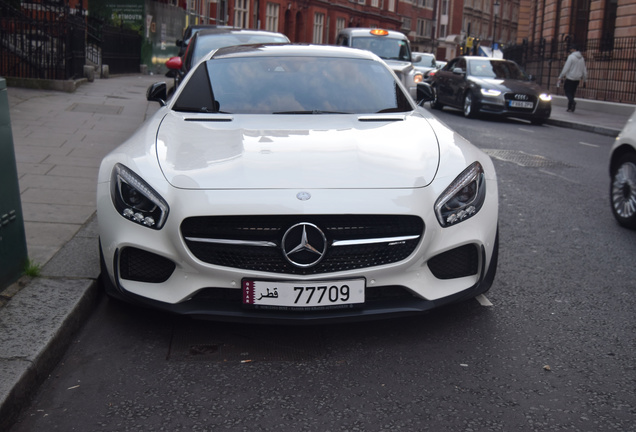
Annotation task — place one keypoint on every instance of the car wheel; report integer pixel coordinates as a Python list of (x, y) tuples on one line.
[(470, 109), (623, 191), (435, 104)]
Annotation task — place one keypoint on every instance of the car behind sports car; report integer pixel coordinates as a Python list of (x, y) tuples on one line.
[(289, 183), (623, 175), (489, 85)]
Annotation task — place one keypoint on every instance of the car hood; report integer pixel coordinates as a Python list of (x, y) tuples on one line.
[(509, 85), (399, 66), (204, 151)]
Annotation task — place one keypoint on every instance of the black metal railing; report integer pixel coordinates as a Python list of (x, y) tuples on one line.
[(611, 66), (50, 40), (40, 40)]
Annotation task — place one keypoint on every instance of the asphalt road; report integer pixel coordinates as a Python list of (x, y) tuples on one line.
[(555, 351)]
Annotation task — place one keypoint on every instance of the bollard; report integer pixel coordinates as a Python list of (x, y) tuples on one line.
[(13, 247)]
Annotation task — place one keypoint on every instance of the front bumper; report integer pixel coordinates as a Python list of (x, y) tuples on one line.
[(540, 110), (228, 308), (183, 282)]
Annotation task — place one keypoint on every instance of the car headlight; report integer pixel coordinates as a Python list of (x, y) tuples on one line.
[(490, 92), (545, 97), (463, 198), (418, 78), (135, 200)]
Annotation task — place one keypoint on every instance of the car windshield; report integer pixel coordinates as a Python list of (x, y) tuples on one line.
[(427, 60), (292, 85), (496, 69), (385, 48), (207, 43)]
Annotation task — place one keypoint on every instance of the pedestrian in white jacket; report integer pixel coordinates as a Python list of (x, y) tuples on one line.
[(574, 73)]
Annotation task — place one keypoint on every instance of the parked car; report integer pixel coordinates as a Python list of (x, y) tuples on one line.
[(424, 62), (488, 85), (191, 31), (622, 169), (205, 40), (429, 76), (295, 183), (391, 46)]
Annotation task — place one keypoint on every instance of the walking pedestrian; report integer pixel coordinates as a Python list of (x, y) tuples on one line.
[(574, 73)]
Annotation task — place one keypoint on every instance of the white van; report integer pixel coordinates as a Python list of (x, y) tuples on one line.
[(391, 46)]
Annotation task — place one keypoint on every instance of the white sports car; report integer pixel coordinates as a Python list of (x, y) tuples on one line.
[(290, 183)]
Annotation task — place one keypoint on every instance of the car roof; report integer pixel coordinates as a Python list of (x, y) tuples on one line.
[(484, 58), (298, 50), (358, 31), (230, 30)]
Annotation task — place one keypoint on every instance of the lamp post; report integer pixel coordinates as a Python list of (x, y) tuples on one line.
[(495, 10)]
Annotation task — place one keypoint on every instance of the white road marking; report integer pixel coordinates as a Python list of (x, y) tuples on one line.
[(483, 300), (526, 130), (558, 176), (588, 144)]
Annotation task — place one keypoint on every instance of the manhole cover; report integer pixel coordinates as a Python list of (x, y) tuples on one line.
[(96, 108), (218, 342), (523, 159)]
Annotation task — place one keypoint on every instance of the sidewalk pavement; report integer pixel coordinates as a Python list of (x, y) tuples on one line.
[(60, 139)]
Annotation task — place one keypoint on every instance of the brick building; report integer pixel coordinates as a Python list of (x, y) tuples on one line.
[(576, 20), (318, 21)]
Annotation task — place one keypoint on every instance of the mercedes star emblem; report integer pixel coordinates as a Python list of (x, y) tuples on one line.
[(304, 245)]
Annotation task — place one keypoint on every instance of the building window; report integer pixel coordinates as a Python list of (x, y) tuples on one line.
[(362, 1), (375, 3), (609, 19), (341, 23), (241, 13), (424, 28), (406, 23), (391, 6), (319, 28), (271, 17)]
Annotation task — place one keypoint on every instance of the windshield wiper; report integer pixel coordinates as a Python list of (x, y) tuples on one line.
[(310, 112)]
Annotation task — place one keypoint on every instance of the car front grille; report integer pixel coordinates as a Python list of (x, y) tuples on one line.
[(520, 97), (254, 242), (455, 263)]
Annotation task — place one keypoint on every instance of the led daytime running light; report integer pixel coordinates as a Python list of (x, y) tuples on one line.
[(490, 92), (122, 179), (473, 176)]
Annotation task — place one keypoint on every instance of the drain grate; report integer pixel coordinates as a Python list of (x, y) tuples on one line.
[(218, 342), (524, 159), (96, 108)]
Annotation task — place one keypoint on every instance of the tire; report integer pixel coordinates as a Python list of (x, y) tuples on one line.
[(470, 106), (435, 104), (623, 191)]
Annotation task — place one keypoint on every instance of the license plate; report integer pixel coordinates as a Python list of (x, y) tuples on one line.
[(521, 104), (303, 295)]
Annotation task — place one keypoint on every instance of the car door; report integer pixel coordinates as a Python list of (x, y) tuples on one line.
[(442, 82), (457, 82)]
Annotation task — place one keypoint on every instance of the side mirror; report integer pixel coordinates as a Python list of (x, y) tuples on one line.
[(531, 77), (178, 42), (158, 92), (416, 58), (424, 93), (174, 63), (458, 71)]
